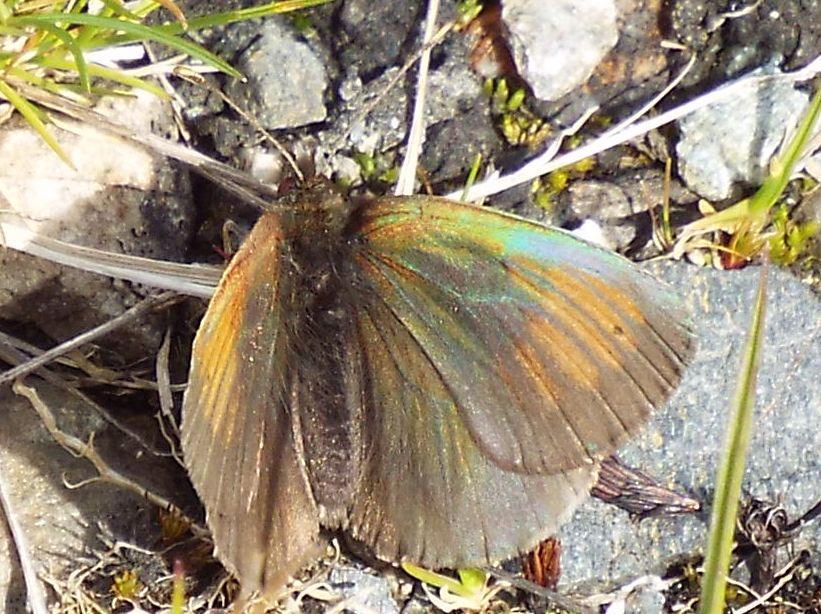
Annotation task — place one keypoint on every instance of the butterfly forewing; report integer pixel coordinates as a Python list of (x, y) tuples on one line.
[(552, 350), (242, 448)]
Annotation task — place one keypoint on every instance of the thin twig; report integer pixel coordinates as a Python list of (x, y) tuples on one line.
[(11, 355), (646, 108), (166, 398), (197, 79), (177, 102), (164, 381), (811, 514), (141, 308)]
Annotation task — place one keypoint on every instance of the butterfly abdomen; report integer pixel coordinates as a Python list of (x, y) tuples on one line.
[(327, 419)]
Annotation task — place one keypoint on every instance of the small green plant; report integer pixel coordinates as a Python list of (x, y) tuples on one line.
[(517, 123), (471, 591), (545, 189), (376, 168), (744, 222), (790, 239), (126, 585), (472, 174), (303, 24), (662, 228), (467, 11)]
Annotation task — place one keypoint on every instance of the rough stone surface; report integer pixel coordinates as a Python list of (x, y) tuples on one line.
[(286, 81), (619, 206), (374, 35), (682, 445), (733, 142), (733, 38), (638, 66), (120, 199), (557, 45)]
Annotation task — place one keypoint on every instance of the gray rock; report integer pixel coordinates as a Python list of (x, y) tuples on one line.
[(452, 87), (733, 142), (120, 198), (683, 444), (608, 205), (619, 205), (286, 81), (645, 597), (376, 33), (386, 125), (557, 45)]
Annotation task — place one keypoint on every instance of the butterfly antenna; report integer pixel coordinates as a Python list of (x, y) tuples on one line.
[(197, 79)]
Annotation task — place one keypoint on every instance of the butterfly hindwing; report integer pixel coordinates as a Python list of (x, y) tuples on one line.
[(241, 446), (427, 493)]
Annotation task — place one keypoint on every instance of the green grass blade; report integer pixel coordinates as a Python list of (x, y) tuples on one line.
[(32, 115), (731, 470), (115, 7), (80, 65), (774, 185), (66, 90), (472, 174), (133, 32), (111, 74), (252, 12)]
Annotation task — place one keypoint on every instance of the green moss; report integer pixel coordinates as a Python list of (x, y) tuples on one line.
[(515, 121), (791, 239)]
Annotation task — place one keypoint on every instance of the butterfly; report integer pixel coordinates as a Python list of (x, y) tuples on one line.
[(437, 380)]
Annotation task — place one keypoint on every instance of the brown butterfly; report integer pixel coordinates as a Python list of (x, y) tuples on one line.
[(437, 379)]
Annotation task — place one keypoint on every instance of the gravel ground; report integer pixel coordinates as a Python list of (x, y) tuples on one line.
[(308, 81)]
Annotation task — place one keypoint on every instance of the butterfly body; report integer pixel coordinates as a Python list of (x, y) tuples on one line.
[(437, 379)]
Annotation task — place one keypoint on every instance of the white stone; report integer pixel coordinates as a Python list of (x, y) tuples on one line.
[(558, 44)]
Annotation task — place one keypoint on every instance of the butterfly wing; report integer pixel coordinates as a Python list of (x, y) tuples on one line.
[(427, 492), (241, 444), (501, 360)]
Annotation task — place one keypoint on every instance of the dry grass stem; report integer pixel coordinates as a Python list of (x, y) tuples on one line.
[(10, 354), (416, 135), (86, 450), (147, 304), (34, 589)]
